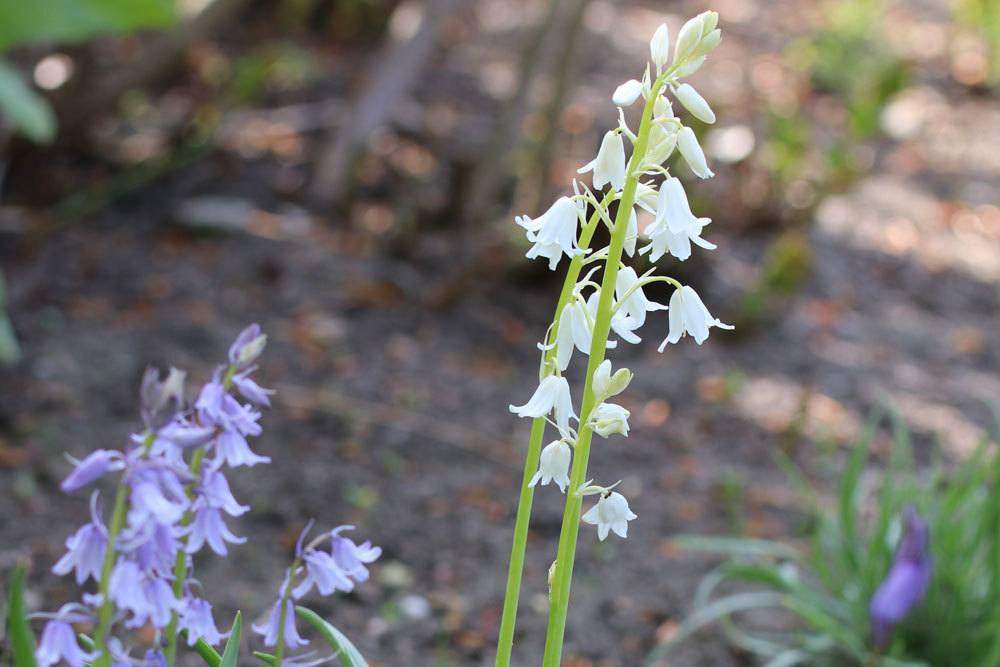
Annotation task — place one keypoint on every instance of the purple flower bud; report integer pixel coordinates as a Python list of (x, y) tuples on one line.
[(908, 579), (92, 468), (250, 390), (247, 347), (161, 400), (196, 619), (351, 557), (59, 643), (215, 492), (85, 553), (208, 526), (323, 572), (269, 629), (154, 658), (232, 449)]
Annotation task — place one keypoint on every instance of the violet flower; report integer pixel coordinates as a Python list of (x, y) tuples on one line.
[(247, 347), (908, 579), (209, 527), (59, 643), (352, 557), (270, 627), (85, 549), (197, 621), (92, 468)]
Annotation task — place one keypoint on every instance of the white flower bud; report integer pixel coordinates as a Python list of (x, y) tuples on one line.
[(694, 103), (607, 385), (690, 67), (689, 147), (626, 94), (707, 44), (609, 165), (659, 46), (688, 38)]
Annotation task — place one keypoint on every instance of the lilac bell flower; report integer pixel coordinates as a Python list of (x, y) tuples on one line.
[(196, 619), (92, 468), (232, 449), (908, 579), (208, 526), (154, 658), (323, 571), (157, 494), (214, 492), (269, 629), (250, 390), (59, 643), (126, 591), (352, 557), (85, 549), (153, 545)]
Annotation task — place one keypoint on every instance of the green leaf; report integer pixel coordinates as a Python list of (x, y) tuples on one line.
[(266, 657), (207, 653), (231, 654), (737, 546), (28, 112), (22, 642), (77, 20), (349, 655), (87, 642)]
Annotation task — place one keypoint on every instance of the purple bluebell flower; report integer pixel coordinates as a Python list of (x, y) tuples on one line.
[(153, 545), (196, 619), (352, 557), (185, 433), (247, 347), (323, 572), (214, 492), (85, 553), (232, 449), (157, 495), (154, 658), (250, 390), (126, 591), (59, 643), (269, 629), (93, 467), (160, 400), (217, 407), (908, 579), (208, 526), (160, 599)]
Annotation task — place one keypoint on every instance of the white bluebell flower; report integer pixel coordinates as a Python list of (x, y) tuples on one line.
[(611, 513), (688, 315), (609, 165), (554, 232), (552, 395), (553, 465)]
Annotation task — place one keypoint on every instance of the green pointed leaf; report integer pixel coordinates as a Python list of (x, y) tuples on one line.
[(349, 655), (231, 654), (266, 658), (207, 653), (22, 642), (77, 20), (87, 642), (27, 111)]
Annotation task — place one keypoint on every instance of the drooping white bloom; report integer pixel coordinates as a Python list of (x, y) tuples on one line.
[(689, 315), (689, 147), (553, 465), (635, 305), (606, 385), (695, 103), (609, 165), (675, 227), (626, 94), (552, 395), (610, 513), (621, 324), (659, 46), (554, 232), (575, 332), (608, 419)]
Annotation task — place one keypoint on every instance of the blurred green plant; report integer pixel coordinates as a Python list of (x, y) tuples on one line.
[(10, 352), (61, 21), (824, 590), (785, 268), (983, 16)]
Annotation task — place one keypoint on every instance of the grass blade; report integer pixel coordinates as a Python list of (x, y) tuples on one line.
[(231, 654), (349, 655), (22, 641)]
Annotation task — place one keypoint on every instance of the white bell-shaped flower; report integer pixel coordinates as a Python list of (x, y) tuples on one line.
[(659, 46), (675, 227), (609, 165), (694, 103), (611, 513), (608, 419), (553, 465), (553, 396), (575, 332), (621, 324), (688, 315), (635, 305), (554, 232), (687, 144), (626, 94)]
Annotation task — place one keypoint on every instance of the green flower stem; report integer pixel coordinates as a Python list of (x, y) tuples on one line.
[(566, 554), (106, 609), (279, 648), (170, 633), (505, 642)]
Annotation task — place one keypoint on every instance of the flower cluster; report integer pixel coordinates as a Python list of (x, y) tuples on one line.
[(173, 499), (336, 569), (639, 182)]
